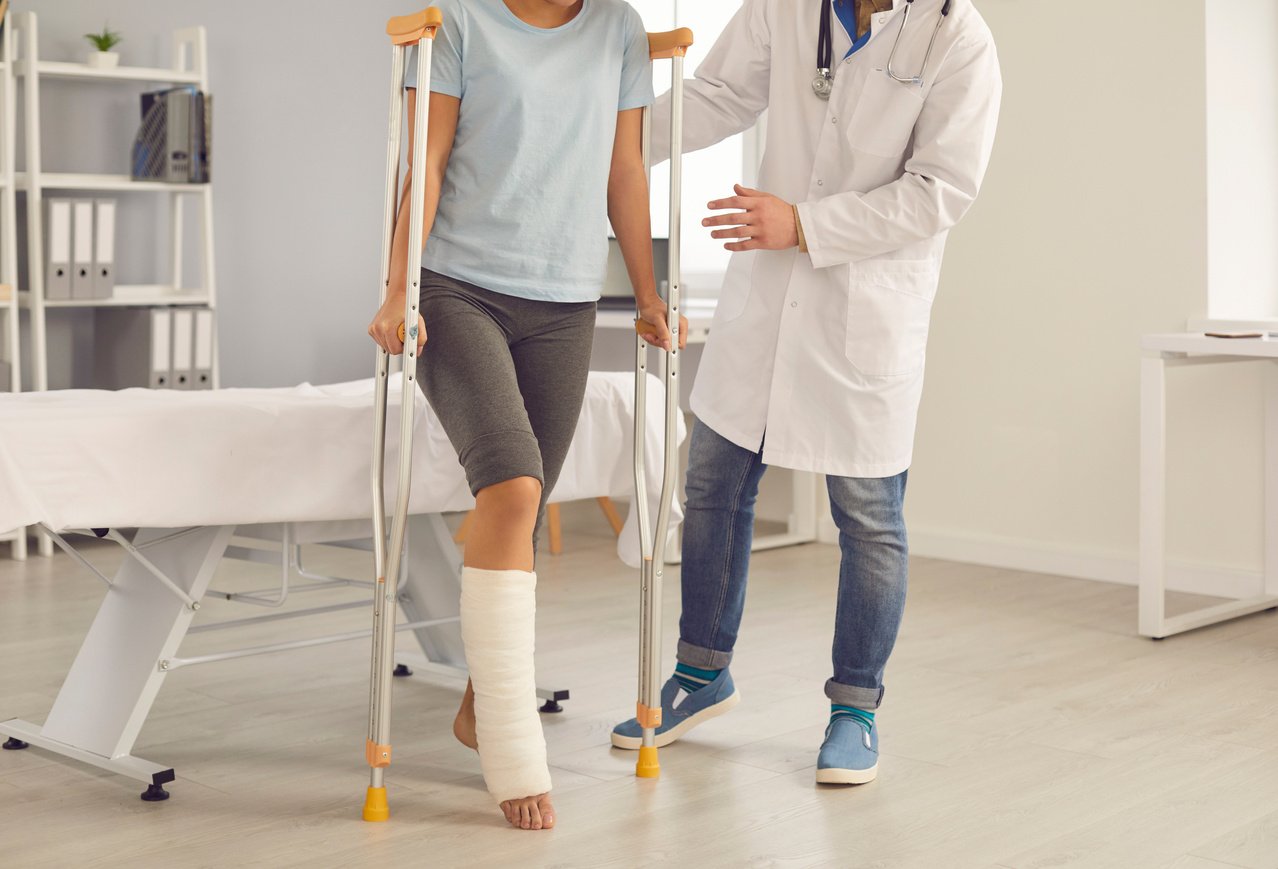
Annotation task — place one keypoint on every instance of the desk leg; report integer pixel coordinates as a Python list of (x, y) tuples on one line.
[(1271, 479), (116, 676), (1153, 496)]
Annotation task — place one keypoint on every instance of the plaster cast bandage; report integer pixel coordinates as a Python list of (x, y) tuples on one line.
[(498, 618)]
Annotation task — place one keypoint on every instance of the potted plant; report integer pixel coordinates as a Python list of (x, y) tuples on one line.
[(104, 57)]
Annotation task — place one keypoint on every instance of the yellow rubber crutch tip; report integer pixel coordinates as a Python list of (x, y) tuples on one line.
[(375, 806), (648, 767)]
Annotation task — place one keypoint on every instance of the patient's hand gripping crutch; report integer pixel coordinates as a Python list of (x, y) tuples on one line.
[(419, 30), (673, 45)]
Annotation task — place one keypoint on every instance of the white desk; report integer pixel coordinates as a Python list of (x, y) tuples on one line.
[(1161, 352), (801, 523)]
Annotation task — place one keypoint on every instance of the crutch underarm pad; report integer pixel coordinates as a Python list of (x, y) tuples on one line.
[(498, 616), (407, 29), (674, 43)]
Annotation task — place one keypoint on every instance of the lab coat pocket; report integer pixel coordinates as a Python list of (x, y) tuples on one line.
[(736, 288), (884, 117), (887, 321)]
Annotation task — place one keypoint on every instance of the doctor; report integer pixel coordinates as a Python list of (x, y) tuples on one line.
[(881, 119)]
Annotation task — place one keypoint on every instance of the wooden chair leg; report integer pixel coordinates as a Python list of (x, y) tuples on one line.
[(555, 528), (464, 529), (610, 511)]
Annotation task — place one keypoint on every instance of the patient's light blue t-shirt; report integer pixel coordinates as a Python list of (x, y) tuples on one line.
[(524, 206)]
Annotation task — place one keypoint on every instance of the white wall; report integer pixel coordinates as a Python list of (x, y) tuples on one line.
[(1092, 230), (1242, 159)]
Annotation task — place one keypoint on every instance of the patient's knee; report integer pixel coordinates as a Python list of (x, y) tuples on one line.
[(514, 501)]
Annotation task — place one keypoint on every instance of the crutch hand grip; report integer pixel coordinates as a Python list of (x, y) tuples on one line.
[(408, 29), (674, 43)]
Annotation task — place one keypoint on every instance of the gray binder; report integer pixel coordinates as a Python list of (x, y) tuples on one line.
[(57, 269), (183, 348), (103, 248), (202, 376), (82, 249)]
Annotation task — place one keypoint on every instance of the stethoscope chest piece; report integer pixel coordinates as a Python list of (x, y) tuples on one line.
[(823, 84)]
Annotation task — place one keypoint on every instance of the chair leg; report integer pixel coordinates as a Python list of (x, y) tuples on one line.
[(610, 511), (555, 528), (464, 528)]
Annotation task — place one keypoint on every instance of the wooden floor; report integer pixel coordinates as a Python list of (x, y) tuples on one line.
[(1026, 727)]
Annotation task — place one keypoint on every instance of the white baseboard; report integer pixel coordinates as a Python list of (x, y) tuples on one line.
[(1034, 557)]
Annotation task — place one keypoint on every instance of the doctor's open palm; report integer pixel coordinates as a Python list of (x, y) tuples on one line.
[(760, 220)]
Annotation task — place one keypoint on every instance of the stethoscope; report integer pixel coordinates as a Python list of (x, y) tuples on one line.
[(823, 84)]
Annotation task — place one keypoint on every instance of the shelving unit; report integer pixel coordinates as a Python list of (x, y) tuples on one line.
[(190, 66), (9, 242)]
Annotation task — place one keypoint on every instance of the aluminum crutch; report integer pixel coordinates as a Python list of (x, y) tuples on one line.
[(673, 45), (418, 29)]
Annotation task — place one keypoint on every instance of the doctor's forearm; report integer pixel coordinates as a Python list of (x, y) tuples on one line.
[(850, 227)]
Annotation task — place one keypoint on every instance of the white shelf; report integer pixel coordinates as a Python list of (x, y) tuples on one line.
[(130, 296), (59, 69), (88, 181)]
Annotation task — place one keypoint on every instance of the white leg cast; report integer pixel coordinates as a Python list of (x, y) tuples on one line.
[(499, 614)]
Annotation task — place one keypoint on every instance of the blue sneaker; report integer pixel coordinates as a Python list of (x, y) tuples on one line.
[(850, 753), (681, 711)]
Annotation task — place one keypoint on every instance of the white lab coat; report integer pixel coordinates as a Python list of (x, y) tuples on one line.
[(823, 351)]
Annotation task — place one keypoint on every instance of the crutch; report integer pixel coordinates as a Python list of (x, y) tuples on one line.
[(416, 29), (673, 45)]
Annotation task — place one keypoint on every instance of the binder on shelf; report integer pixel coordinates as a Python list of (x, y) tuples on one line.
[(103, 248), (82, 249), (161, 341), (183, 349), (174, 141), (203, 373), (57, 275)]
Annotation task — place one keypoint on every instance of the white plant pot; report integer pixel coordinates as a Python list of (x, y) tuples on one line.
[(104, 59)]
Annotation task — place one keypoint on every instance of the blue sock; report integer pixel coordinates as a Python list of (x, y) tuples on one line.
[(860, 716), (692, 679)]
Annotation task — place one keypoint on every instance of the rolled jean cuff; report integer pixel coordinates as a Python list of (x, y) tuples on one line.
[(851, 695), (706, 659)]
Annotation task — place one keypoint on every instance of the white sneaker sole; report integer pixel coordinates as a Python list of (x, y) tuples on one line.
[(847, 776), (632, 743)]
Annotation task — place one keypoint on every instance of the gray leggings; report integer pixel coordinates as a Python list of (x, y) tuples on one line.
[(506, 376)]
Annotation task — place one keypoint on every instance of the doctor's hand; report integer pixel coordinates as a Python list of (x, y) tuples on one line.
[(763, 221), (384, 329), (652, 326)]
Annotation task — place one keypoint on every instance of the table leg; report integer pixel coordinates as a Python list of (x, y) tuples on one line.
[(1153, 496), (1271, 478)]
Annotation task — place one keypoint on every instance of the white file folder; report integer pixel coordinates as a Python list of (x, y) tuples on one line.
[(82, 249), (161, 344), (183, 357), (103, 248), (203, 374), (57, 273)]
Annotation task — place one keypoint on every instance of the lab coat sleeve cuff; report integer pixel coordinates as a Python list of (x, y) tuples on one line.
[(821, 256)]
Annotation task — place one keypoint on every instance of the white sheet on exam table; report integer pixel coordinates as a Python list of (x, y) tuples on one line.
[(172, 459)]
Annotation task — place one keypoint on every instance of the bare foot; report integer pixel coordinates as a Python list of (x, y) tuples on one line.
[(464, 723), (530, 813)]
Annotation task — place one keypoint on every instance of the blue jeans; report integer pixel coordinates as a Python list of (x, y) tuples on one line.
[(723, 483)]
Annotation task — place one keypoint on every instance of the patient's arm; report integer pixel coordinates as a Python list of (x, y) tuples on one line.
[(628, 209), (439, 144)]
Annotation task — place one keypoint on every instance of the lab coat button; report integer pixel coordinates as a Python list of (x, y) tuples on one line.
[(794, 304), (834, 120), (820, 183)]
